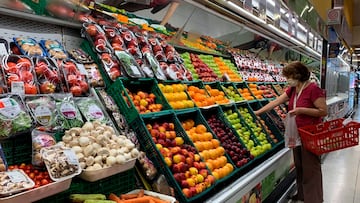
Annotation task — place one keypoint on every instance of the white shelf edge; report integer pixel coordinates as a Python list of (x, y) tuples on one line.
[(38, 18), (236, 190)]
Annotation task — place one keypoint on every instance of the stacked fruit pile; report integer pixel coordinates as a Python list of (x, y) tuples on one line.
[(257, 129), (200, 96), (232, 93), (185, 164), (245, 93), (278, 89), (228, 68), (243, 132), (268, 91), (238, 153), (209, 149), (256, 91), (219, 96), (176, 96), (144, 102), (188, 65), (205, 73)]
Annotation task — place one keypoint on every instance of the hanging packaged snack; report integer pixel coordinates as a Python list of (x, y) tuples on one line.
[(3, 163), (19, 74), (68, 115), (29, 46), (111, 65), (54, 49), (91, 109), (75, 78), (129, 64), (40, 139), (97, 37), (14, 119), (48, 76), (42, 109), (113, 109), (94, 75), (80, 56)]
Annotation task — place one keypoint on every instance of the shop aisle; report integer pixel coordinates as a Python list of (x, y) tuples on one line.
[(341, 174)]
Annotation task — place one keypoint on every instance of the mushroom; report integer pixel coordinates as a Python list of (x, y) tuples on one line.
[(80, 157), (96, 146), (74, 142), (110, 160), (104, 152), (94, 133), (88, 126), (77, 149), (100, 129), (84, 141), (113, 152), (110, 129), (96, 123), (134, 153), (127, 156), (84, 133), (120, 159), (89, 150), (67, 138), (89, 161), (98, 159), (74, 131), (82, 165), (97, 166)]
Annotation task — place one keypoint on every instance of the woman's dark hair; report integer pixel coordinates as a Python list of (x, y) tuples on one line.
[(297, 71)]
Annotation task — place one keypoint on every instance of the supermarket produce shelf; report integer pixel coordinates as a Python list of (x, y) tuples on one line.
[(38, 18), (180, 49), (236, 190)]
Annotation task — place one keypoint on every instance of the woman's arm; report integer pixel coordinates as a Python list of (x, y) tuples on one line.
[(320, 109), (281, 99)]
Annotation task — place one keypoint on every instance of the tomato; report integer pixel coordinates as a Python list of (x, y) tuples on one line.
[(70, 68), (114, 73), (12, 78), (27, 171), (37, 182), (84, 86), (72, 79), (30, 89), (24, 64), (36, 171), (47, 87), (26, 76), (40, 68), (44, 182), (29, 167), (91, 30), (11, 167), (11, 67), (31, 175), (22, 166), (76, 90)]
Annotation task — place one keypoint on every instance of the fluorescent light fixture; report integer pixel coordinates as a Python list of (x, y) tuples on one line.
[(282, 11), (272, 2), (341, 59), (311, 8), (357, 49), (244, 12), (295, 41), (302, 27), (313, 51), (303, 11)]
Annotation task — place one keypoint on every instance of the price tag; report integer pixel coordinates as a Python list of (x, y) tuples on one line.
[(71, 157), (17, 87), (17, 176), (3, 50), (82, 69)]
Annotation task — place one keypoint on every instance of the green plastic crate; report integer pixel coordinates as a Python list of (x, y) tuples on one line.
[(197, 117), (148, 145), (17, 149), (275, 118), (39, 6), (118, 184), (118, 91), (219, 114), (268, 123)]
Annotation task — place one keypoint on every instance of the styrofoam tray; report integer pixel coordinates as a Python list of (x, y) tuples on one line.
[(155, 194), (38, 193), (95, 175)]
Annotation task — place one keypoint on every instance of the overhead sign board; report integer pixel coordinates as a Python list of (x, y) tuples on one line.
[(334, 17)]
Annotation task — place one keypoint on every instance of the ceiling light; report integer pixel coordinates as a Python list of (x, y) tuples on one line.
[(356, 49), (311, 8), (244, 12), (272, 2)]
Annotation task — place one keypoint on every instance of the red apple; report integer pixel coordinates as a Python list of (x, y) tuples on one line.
[(178, 158)]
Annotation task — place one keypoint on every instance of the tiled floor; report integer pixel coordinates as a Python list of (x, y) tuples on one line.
[(341, 174)]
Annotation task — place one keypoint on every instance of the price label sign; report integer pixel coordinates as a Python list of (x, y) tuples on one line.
[(3, 50), (17, 87)]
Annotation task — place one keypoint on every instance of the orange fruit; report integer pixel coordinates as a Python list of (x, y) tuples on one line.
[(200, 129), (215, 143)]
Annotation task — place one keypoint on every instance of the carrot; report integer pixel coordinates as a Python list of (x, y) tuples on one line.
[(156, 199), (128, 196), (141, 193), (145, 199), (115, 198)]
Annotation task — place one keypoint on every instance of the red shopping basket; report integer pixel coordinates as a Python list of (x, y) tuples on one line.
[(329, 136)]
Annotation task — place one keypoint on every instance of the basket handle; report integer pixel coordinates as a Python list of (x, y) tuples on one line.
[(320, 126)]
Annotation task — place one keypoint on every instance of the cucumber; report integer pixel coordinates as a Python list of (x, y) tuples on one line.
[(81, 198)]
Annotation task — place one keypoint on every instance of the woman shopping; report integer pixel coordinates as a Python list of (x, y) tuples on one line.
[(307, 106)]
